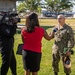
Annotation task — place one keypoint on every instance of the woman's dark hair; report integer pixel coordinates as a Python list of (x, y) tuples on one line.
[(32, 21)]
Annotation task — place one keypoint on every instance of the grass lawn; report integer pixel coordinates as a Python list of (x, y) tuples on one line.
[(52, 22), (46, 61)]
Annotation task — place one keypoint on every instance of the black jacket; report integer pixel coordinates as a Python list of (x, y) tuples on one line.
[(7, 35), (7, 31)]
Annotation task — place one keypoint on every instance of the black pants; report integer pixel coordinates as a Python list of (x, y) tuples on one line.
[(8, 59)]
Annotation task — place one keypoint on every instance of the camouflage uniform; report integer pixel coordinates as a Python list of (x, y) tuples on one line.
[(63, 38)]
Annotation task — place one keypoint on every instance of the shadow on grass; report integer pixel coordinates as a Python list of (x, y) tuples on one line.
[(45, 27)]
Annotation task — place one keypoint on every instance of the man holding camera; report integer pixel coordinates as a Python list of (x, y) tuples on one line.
[(7, 31), (63, 44)]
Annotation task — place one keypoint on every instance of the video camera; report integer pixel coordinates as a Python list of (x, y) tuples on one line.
[(9, 18)]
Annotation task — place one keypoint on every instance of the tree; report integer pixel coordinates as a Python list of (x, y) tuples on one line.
[(21, 7), (32, 5), (54, 5), (60, 5)]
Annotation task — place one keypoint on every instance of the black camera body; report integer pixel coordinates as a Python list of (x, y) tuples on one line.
[(9, 18)]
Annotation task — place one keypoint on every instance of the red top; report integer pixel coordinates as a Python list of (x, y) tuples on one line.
[(32, 41)]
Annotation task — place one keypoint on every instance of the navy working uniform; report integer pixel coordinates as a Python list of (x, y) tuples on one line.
[(63, 38)]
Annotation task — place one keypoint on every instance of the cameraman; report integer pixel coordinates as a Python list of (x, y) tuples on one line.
[(7, 32)]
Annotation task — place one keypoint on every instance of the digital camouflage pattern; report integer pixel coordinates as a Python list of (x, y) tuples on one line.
[(63, 38)]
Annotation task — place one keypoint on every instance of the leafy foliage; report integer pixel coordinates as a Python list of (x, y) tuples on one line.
[(21, 7), (54, 5), (31, 5), (60, 5)]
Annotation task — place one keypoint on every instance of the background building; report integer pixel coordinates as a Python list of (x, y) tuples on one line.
[(6, 5)]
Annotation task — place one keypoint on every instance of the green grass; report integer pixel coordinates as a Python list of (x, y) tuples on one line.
[(52, 22), (46, 61)]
